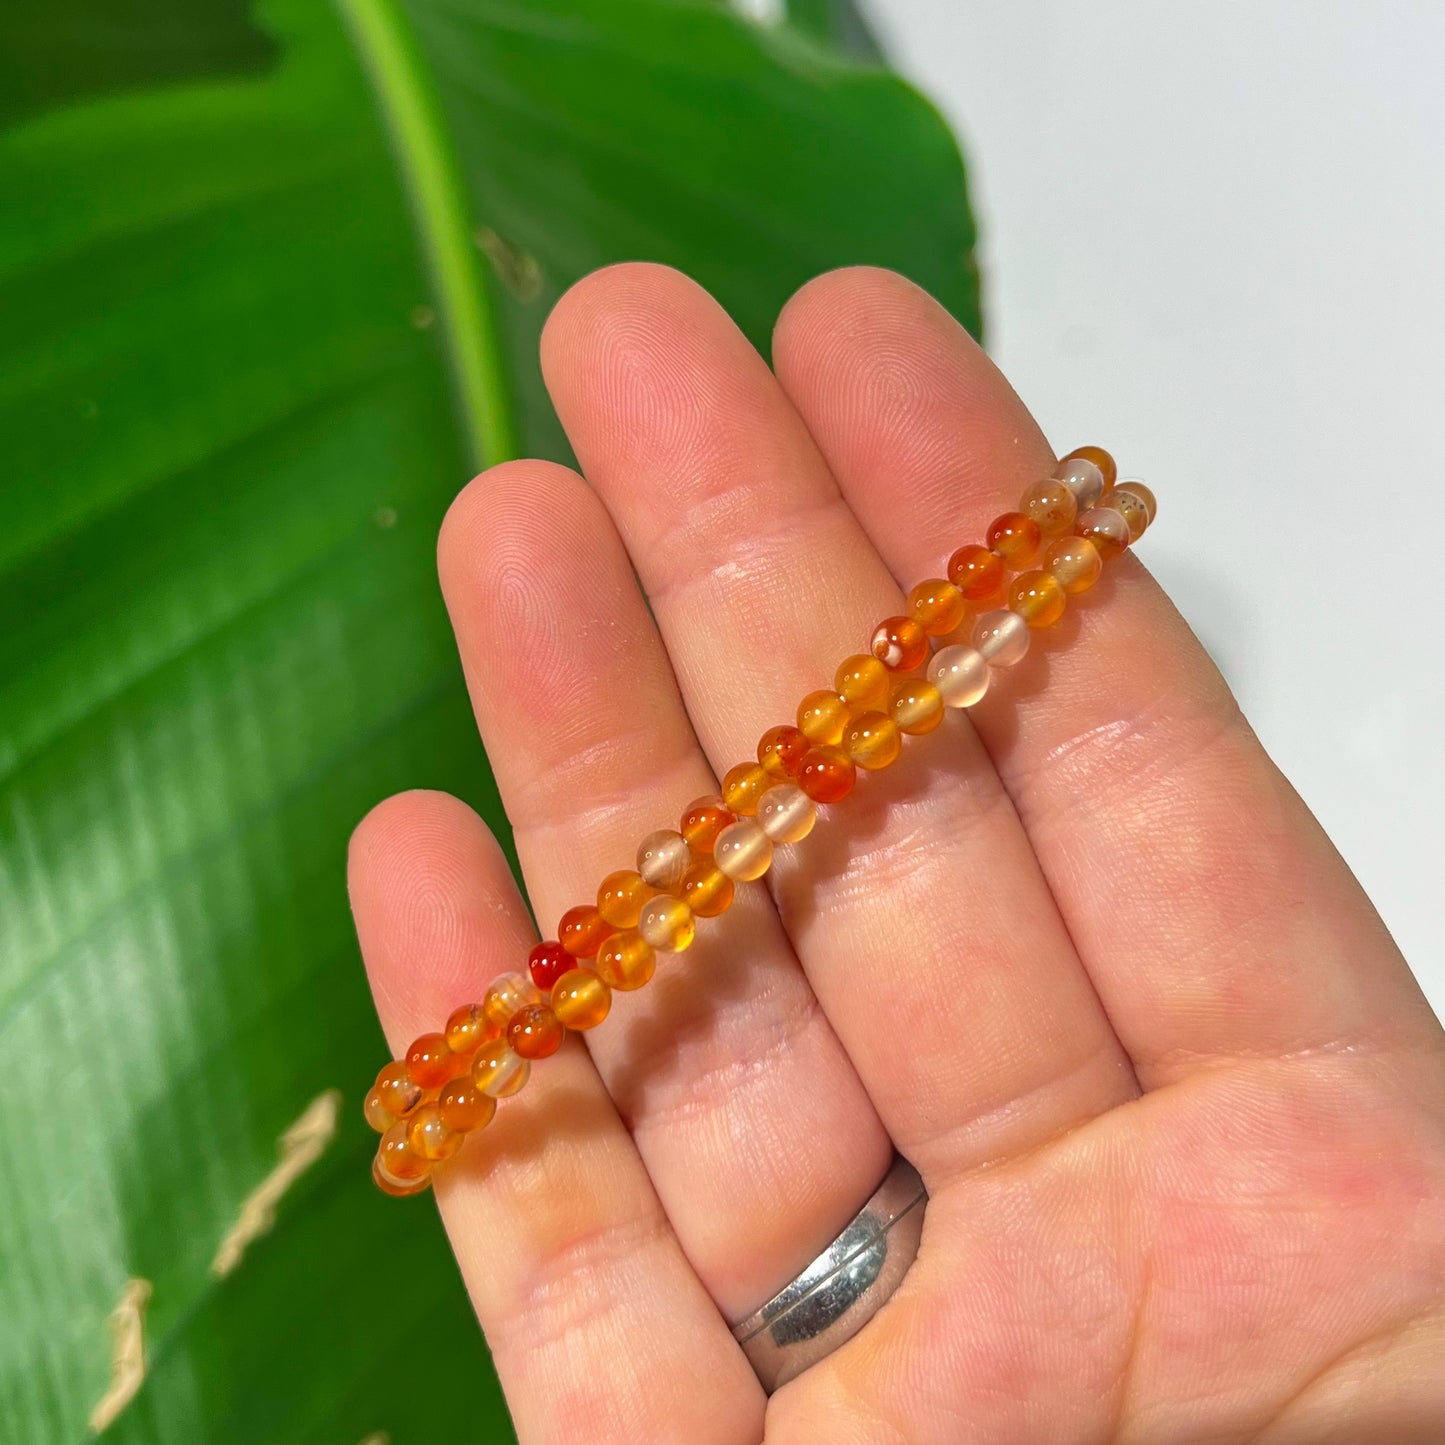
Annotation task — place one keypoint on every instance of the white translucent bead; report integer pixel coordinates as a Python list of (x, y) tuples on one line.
[(1002, 637), (743, 851), (1083, 478), (960, 674), (787, 813), (662, 859), (667, 924)]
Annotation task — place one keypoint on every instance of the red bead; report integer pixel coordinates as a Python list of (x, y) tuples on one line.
[(430, 1061), (781, 751), (1017, 539), (976, 572), (828, 774), (899, 643), (547, 963), (535, 1032), (582, 930)]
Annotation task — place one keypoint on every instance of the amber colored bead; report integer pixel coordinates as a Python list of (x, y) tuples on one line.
[(1100, 459), (916, 705), (873, 741), (431, 1136), (429, 1061), (498, 1070), (667, 923), (706, 889), (534, 1032), (398, 1158), (1106, 529), (938, 607), (787, 814), (547, 962), (828, 775), (1052, 506), (976, 572), (399, 1188), (742, 787), (464, 1107), (662, 859), (862, 682), (900, 644), (626, 961), (1075, 561), (781, 751), (822, 716), (508, 993), (620, 897), (1038, 597), (582, 929), (1017, 539), (704, 819), (377, 1114), (581, 999), (744, 851), (466, 1027), (1130, 507), (1151, 505), (398, 1092)]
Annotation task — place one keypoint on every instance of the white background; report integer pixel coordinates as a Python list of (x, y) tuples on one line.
[(1214, 241)]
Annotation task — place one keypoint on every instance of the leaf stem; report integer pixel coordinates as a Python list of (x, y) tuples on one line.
[(432, 177)]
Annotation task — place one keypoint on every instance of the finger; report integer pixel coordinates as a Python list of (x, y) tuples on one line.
[(597, 1324), (758, 1135), (761, 581), (1212, 913)]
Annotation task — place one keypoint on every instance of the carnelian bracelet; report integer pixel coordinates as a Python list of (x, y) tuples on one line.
[(447, 1085)]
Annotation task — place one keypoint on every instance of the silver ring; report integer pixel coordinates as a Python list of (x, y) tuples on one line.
[(831, 1300)]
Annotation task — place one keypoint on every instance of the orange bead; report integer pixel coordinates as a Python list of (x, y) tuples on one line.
[(464, 1107), (822, 716), (1100, 459), (1052, 506), (916, 705), (377, 1114), (976, 572), (1151, 506), (1130, 507), (828, 775), (1106, 529), (620, 897), (467, 1027), (396, 1090), (704, 819), (938, 607), (581, 930), (743, 786), (706, 889), (497, 1070), (508, 993), (626, 961), (862, 682), (1038, 597), (873, 741), (781, 751), (398, 1159), (398, 1188), (431, 1136), (1017, 539), (900, 644), (581, 999), (1075, 561), (534, 1032), (429, 1061)]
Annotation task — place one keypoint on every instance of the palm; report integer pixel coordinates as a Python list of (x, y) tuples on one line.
[(1087, 962)]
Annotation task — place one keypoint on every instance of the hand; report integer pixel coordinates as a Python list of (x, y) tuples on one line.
[(1082, 955)]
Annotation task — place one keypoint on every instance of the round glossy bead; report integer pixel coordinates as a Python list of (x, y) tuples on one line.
[(899, 643), (431, 1136), (960, 674), (822, 716), (977, 572), (662, 859), (1083, 478), (916, 706), (744, 852), (704, 819), (464, 1107), (1002, 637), (1130, 507), (706, 889), (1135, 486), (862, 682), (498, 1070), (1052, 505), (828, 774), (873, 741), (547, 962), (400, 1188), (467, 1027), (1106, 529), (1038, 597), (1017, 539), (1100, 459), (582, 929), (787, 813), (377, 1114), (742, 787), (510, 992), (938, 607), (397, 1156), (429, 1061), (667, 924), (620, 897), (1075, 562), (398, 1093), (781, 751), (581, 999), (534, 1032), (626, 961)]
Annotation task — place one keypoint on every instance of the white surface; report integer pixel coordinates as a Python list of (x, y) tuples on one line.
[(1214, 241)]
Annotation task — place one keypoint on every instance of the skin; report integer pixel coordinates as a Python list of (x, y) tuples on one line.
[(1082, 955)]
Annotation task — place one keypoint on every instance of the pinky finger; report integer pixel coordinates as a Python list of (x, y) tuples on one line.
[(599, 1328)]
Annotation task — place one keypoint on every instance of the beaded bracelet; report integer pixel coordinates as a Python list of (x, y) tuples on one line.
[(447, 1085)]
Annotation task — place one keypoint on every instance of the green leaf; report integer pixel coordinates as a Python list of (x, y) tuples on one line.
[(271, 286)]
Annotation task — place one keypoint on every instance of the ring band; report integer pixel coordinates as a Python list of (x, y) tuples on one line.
[(836, 1295)]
